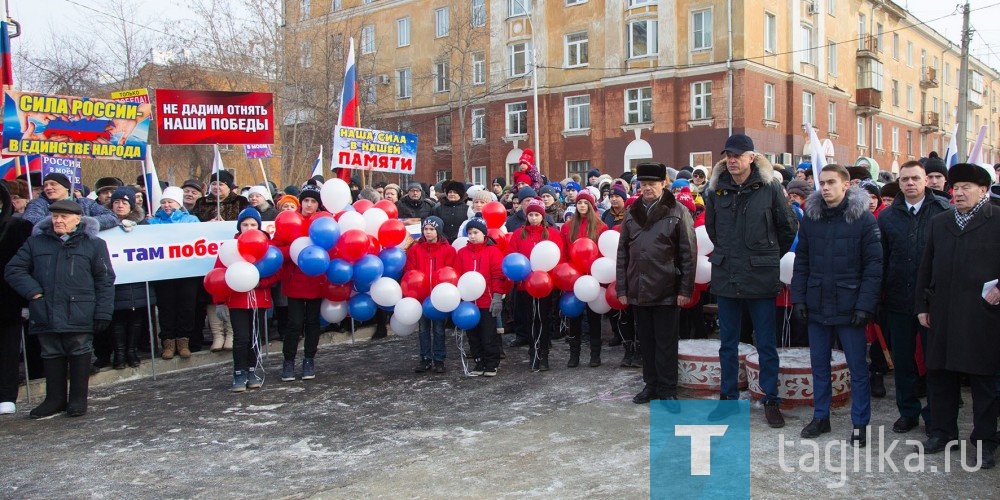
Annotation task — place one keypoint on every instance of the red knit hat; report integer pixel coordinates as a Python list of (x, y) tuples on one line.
[(684, 198), (528, 156), (534, 205), (585, 194), (520, 177)]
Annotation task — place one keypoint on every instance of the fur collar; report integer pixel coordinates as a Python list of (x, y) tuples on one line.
[(854, 206), (761, 164), (89, 225), (638, 210)]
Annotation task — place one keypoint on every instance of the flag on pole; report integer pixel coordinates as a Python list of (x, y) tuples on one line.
[(975, 157), (6, 73), (318, 166), (951, 155), (216, 160), (153, 191), (817, 153), (349, 104)]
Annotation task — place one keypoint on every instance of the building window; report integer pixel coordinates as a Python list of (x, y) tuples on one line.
[(518, 7), (479, 124), (909, 142), (831, 117), (909, 98), (831, 54), (443, 126), (576, 50), (701, 100), (809, 50), (479, 176), (304, 9), (404, 83), (368, 39), (570, 3), (640, 3), (895, 93), (769, 101), (305, 55), (642, 39), (578, 112), (577, 167), (895, 46), (909, 54), (441, 22), (701, 29), (442, 175), (878, 136), (947, 73), (809, 108), (517, 118), (518, 58), (639, 105), (369, 92), (770, 33), (862, 30), (335, 5), (478, 68), (895, 139), (861, 131), (478, 13), (442, 77), (879, 31), (831, 7), (947, 113), (403, 32), (869, 74)]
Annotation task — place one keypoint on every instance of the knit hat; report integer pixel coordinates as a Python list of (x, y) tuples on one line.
[(588, 196), (889, 190), (261, 190), (683, 174), (123, 193), (800, 187), (414, 185), (547, 189), (292, 190), (434, 221), (520, 177), (225, 177), (477, 222), (310, 192), (684, 198), (106, 183), (248, 213), (671, 174), (556, 187), (392, 186), (935, 165), (619, 190), (287, 199), (859, 173), (501, 181), (60, 178), (575, 186), (872, 188), (194, 184), (680, 183), (316, 180), (173, 193), (968, 172), (525, 193), (534, 205), (528, 156), (592, 173)]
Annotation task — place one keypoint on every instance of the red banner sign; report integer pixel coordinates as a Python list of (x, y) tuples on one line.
[(214, 117)]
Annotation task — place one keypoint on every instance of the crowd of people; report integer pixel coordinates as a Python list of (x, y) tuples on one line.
[(905, 266)]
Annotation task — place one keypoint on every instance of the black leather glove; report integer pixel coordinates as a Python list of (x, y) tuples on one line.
[(860, 318), (100, 325), (800, 312)]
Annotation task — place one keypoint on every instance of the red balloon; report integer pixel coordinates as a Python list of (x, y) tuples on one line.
[(337, 293), (389, 208), (612, 295), (501, 239), (582, 253), (392, 232), (290, 225), (495, 214), (363, 205), (373, 246), (215, 282), (252, 245), (415, 284), (352, 245), (446, 274), (564, 276), (538, 284), (695, 297)]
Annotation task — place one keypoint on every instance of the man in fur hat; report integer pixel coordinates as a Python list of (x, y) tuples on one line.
[(221, 202)]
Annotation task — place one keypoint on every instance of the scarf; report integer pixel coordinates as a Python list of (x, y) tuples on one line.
[(963, 219)]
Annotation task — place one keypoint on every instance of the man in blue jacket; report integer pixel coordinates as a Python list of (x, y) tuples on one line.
[(835, 287)]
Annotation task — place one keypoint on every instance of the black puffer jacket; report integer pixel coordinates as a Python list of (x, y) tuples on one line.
[(74, 277), (13, 233), (133, 295), (453, 213), (752, 226), (904, 237), (656, 253)]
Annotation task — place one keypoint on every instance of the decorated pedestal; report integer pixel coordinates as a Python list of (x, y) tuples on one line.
[(698, 365), (795, 379)]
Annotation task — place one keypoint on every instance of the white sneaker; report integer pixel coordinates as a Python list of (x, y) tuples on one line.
[(6, 408)]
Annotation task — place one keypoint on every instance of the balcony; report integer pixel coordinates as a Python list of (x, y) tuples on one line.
[(975, 99), (869, 102), (868, 47), (928, 78), (930, 122)]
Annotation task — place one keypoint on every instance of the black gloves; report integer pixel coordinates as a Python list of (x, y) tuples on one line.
[(800, 313), (100, 325), (860, 318)]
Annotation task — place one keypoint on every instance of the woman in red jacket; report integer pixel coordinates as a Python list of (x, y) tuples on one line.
[(483, 256), (246, 312), (584, 223), (522, 241), (429, 254)]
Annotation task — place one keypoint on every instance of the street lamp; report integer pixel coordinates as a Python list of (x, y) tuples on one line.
[(534, 78)]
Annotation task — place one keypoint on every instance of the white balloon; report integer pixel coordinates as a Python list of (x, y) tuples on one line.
[(408, 311), (786, 267), (445, 297), (586, 288), (600, 304), (460, 243), (604, 270), (229, 253), (608, 243), (374, 217), (336, 195), (471, 285), (242, 277), (352, 220), (545, 256), (386, 292), (703, 270), (399, 328), (297, 246), (333, 312), (705, 245)]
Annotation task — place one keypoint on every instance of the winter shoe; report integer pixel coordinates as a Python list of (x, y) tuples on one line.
[(308, 368), (7, 408), (227, 343), (55, 389), (574, 360), (253, 380), (772, 413), (645, 395), (859, 436), (490, 372), (183, 350), (218, 340), (169, 349), (424, 366), (439, 367), (816, 427), (239, 381), (595, 360), (543, 362), (79, 382), (478, 369), (288, 371), (723, 410), (118, 358), (877, 382)]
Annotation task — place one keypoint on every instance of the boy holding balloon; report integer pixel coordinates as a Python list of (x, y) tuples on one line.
[(483, 257), (428, 255)]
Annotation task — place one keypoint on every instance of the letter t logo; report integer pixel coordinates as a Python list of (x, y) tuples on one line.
[(701, 445)]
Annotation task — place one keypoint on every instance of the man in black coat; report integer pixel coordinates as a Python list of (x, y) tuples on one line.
[(453, 209), (64, 271), (414, 207), (13, 233), (958, 301), (903, 226)]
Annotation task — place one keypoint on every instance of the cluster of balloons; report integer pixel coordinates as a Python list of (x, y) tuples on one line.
[(586, 278), (495, 214), (451, 296), (247, 259)]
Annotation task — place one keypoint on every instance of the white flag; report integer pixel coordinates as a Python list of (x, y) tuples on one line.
[(817, 153), (217, 160), (153, 191)]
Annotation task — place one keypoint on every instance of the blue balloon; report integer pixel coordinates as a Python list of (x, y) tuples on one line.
[(324, 232), (313, 260), (271, 263), (571, 306), (362, 287), (368, 269), (361, 307), (389, 308), (516, 267), (349, 208), (465, 316), (393, 261), (340, 272), (431, 313)]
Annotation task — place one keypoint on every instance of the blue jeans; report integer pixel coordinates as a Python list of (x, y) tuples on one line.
[(730, 319), (852, 340), (431, 348)]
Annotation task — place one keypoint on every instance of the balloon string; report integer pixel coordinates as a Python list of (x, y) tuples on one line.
[(461, 351), (536, 339), (255, 335)]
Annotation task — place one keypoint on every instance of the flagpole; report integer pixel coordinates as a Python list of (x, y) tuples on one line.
[(262, 172)]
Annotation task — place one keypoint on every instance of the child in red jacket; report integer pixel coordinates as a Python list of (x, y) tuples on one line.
[(483, 256), (429, 254), (584, 223)]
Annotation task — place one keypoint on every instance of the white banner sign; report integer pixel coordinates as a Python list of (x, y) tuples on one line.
[(166, 251)]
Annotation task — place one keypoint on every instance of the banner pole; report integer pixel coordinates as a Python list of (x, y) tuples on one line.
[(262, 172), (27, 376), (17, 163), (152, 334)]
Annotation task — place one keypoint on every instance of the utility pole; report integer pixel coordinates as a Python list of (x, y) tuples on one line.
[(963, 87)]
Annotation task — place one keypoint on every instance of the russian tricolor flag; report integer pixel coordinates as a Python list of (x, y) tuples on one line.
[(8, 166), (6, 73), (349, 103)]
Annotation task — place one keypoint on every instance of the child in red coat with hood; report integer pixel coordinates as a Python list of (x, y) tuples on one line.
[(584, 223), (429, 254)]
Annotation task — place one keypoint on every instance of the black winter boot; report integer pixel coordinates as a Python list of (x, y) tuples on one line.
[(118, 343), (543, 360), (55, 388), (877, 382), (629, 355), (574, 352), (79, 381)]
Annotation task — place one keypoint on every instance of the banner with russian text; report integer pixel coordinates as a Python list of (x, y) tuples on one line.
[(378, 150), (70, 167), (73, 127), (138, 96), (214, 117), (257, 151), (165, 251)]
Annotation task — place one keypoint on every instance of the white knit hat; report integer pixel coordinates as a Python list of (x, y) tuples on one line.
[(173, 193), (261, 190)]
